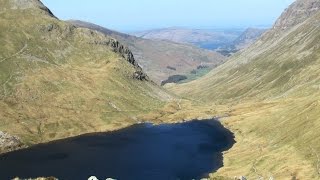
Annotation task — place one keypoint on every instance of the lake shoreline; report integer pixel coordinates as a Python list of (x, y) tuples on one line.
[(22, 146), (126, 135)]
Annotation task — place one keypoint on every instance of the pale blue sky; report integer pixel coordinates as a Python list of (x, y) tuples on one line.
[(133, 15)]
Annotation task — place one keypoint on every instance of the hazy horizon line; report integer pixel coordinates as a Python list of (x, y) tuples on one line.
[(200, 27)]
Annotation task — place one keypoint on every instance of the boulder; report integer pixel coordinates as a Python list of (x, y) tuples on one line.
[(9, 142)]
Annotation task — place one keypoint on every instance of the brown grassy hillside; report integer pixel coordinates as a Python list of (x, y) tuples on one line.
[(272, 92), (58, 80)]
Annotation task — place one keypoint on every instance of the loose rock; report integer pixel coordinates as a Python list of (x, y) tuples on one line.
[(9, 142)]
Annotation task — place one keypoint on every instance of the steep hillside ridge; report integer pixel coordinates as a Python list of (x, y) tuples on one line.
[(247, 38), (58, 80), (271, 67), (161, 59), (297, 13), (25, 4)]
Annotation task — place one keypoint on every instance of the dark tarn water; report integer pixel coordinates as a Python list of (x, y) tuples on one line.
[(183, 151)]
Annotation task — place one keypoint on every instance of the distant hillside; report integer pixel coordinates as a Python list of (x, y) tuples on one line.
[(247, 38), (273, 94), (208, 39), (226, 42), (58, 80), (161, 59)]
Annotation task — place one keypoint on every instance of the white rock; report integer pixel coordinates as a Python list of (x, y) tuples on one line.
[(93, 178)]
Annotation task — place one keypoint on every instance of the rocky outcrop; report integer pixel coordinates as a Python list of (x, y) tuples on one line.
[(9, 142), (297, 13), (240, 178), (125, 52), (140, 75), (28, 4)]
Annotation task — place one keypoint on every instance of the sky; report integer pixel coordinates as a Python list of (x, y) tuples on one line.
[(138, 15)]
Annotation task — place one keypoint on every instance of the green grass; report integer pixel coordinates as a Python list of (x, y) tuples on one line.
[(64, 83), (195, 74)]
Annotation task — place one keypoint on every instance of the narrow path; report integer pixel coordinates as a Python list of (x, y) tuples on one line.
[(179, 104), (318, 160), (254, 168), (10, 77), (19, 52), (4, 85)]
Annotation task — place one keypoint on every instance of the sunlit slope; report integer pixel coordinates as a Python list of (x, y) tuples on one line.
[(58, 80), (280, 64), (272, 91)]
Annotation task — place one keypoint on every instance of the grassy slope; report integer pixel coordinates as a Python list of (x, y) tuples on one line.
[(155, 55), (272, 92), (59, 81)]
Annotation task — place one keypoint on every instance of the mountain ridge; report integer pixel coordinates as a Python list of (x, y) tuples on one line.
[(36, 5), (157, 56), (296, 13)]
